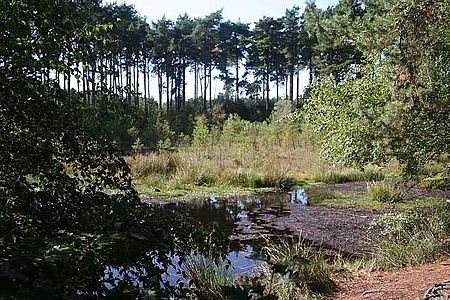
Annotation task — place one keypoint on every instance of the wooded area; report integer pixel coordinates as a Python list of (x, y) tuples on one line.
[(75, 96)]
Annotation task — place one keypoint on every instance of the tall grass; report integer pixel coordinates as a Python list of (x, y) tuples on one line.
[(208, 277), (245, 155), (225, 163), (341, 175), (305, 272), (410, 238), (386, 191)]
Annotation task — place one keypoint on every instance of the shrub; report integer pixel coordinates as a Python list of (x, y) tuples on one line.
[(201, 136)]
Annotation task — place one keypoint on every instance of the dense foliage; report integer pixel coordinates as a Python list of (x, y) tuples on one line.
[(69, 215), (395, 104)]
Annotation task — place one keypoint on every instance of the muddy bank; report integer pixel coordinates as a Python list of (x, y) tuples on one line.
[(251, 218), (275, 214), (338, 230), (413, 192)]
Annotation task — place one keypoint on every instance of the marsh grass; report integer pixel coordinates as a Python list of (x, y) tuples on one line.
[(341, 175), (411, 237), (245, 163), (297, 270), (207, 277), (441, 182), (386, 191)]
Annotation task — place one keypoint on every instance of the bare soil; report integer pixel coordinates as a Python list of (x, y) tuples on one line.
[(414, 192), (410, 283), (337, 230)]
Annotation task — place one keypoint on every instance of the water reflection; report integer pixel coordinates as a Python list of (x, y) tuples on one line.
[(299, 196), (242, 224)]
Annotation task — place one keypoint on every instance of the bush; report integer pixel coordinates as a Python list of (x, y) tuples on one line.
[(201, 136)]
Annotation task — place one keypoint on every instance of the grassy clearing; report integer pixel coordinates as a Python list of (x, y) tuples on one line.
[(222, 168), (240, 155)]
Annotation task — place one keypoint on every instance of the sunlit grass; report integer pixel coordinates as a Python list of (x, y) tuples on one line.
[(411, 237), (232, 166)]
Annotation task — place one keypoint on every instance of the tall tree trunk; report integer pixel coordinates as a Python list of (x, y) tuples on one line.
[(168, 92), (137, 82), (145, 79), (83, 77), (93, 81), (184, 84), (128, 84), (205, 88), (171, 90), (310, 71), (278, 88), (210, 85), (160, 87), (267, 88), (298, 86), (145, 86), (291, 85), (237, 78), (195, 81), (148, 80), (286, 84)]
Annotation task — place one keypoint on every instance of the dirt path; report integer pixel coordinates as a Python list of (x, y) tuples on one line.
[(410, 283)]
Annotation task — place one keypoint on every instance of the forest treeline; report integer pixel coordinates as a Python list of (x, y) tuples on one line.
[(89, 48)]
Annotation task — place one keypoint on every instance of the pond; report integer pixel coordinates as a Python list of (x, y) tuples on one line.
[(245, 224)]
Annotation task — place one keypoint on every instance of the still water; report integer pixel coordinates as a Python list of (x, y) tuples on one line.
[(245, 223)]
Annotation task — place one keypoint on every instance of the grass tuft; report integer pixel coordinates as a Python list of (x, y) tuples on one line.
[(208, 277), (297, 270), (385, 192)]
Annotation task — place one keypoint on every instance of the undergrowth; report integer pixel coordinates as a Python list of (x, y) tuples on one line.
[(410, 237), (297, 271)]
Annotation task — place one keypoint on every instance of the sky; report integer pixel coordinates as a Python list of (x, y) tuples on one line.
[(247, 11)]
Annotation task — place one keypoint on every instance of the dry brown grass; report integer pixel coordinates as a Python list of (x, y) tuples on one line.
[(253, 161)]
